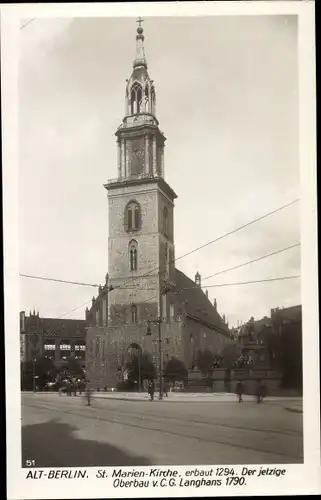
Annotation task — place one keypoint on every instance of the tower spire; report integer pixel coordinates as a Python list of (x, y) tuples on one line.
[(140, 59)]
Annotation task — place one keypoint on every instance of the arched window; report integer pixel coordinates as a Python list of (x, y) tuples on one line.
[(136, 217), (166, 260), (146, 97), (153, 99), (129, 219), (134, 314), (132, 216), (133, 255), (165, 221), (136, 98)]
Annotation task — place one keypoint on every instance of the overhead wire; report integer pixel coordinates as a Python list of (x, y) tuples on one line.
[(43, 278), (214, 241), (75, 309), (122, 287), (182, 256), (27, 23), (180, 290), (252, 261), (196, 287)]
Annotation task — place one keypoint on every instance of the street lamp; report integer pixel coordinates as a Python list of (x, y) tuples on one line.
[(149, 333), (168, 287)]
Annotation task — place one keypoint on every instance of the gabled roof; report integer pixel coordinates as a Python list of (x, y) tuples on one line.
[(196, 304)]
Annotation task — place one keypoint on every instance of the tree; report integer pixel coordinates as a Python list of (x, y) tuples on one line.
[(175, 371), (74, 368), (205, 360), (230, 354), (42, 368), (140, 367)]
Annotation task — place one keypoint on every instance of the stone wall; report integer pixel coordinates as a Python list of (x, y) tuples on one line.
[(107, 349), (198, 336), (226, 381)]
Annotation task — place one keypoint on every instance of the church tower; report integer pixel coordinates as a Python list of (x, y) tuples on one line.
[(141, 207)]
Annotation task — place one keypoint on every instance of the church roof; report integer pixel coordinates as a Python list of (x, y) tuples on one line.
[(197, 305)]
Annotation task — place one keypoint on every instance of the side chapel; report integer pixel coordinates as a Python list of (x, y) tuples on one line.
[(141, 254)]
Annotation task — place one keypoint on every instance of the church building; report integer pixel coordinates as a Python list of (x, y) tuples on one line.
[(142, 283)]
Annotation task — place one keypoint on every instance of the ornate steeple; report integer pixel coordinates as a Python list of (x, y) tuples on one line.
[(140, 59), (140, 141), (140, 90)]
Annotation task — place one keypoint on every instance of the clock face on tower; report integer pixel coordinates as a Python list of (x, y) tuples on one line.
[(137, 158)]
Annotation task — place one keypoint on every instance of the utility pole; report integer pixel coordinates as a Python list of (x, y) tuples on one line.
[(160, 359), (34, 374), (167, 288), (139, 379), (160, 356)]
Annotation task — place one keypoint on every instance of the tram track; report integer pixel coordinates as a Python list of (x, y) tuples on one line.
[(282, 432), (153, 423)]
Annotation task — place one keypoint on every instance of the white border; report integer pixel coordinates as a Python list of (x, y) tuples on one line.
[(300, 478)]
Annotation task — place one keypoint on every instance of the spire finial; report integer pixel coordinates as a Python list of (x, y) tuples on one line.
[(140, 53), (140, 20)]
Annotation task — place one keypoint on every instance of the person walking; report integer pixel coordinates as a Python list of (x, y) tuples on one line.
[(166, 389), (240, 391), (88, 395), (260, 391), (263, 391), (151, 389)]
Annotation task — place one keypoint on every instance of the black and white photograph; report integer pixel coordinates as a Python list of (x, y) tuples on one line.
[(160, 298)]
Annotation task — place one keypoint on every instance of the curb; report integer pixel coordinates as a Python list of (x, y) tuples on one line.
[(174, 400)]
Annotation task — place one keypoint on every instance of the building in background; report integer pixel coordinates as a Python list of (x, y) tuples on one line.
[(51, 338), (275, 342), (141, 254)]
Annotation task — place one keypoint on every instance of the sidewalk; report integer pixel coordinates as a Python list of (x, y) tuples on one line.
[(292, 403)]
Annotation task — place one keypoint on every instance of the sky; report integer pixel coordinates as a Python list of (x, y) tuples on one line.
[(227, 101)]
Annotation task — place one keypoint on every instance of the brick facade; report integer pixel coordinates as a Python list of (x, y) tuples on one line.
[(141, 254), (57, 339)]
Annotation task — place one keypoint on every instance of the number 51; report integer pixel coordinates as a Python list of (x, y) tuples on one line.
[(30, 463)]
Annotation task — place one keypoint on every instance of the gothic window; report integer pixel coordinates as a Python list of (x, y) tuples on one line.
[(146, 97), (136, 217), (132, 216), (136, 98), (165, 221), (166, 260), (134, 314), (129, 218), (133, 254)]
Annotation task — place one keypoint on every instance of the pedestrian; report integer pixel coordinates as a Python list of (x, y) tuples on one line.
[(258, 391), (240, 391), (263, 391), (166, 389), (88, 394), (151, 389)]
